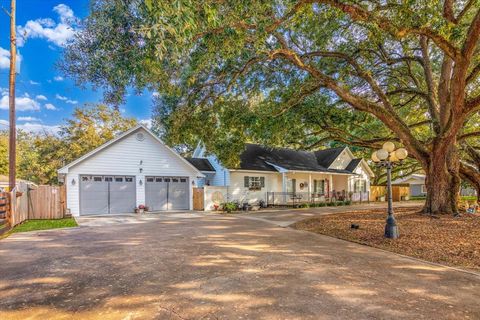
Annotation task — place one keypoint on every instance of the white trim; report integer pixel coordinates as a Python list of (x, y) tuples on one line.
[(349, 153), (365, 164), (64, 169), (259, 171), (423, 188), (278, 168), (298, 171)]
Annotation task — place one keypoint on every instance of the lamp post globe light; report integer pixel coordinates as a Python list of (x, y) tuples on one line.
[(389, 157)]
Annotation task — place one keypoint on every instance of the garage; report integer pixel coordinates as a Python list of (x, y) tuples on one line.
[(167, 193), (107, 194), (132, 170)]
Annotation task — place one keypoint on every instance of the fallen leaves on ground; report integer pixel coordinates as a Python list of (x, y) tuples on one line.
[(442, 239)]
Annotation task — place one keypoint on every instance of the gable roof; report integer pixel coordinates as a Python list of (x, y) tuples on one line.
[(327, 156), (261, 158), (201, 164), (121, 136), (419, 178), (353, 164)]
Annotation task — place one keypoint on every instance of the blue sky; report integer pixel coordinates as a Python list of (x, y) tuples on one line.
[(44, 97)]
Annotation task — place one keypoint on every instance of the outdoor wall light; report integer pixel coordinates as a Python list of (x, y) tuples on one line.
[(140, 182), (388, 157), (73, 182), (141, 170)]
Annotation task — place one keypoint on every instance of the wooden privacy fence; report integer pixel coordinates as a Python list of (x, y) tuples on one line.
[(46, 202), (198, 198), (38, 202), (399, 192)]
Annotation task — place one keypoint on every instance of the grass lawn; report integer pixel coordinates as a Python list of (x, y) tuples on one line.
[(447, 240), (33, 225)]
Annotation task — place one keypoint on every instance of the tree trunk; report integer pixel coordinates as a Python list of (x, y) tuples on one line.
[(443, 179)]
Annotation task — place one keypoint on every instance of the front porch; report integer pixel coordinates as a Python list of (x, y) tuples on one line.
[(299, 188)]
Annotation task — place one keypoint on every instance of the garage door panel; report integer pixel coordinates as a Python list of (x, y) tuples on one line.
[(122, 195), (167, 193), (156, 189), (178, 194), (107, 194), (93, 195)]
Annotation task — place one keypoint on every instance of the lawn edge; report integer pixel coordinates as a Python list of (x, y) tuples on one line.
[(474, 273)]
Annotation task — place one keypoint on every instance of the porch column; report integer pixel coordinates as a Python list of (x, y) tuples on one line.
[(330, 184), (309, 186), (284, 187)]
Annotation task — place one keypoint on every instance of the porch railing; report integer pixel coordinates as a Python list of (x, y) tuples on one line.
[(298, 198)]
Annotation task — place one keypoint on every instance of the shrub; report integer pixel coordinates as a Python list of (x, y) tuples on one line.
[(304, 205), (229, 206), (348, 202)]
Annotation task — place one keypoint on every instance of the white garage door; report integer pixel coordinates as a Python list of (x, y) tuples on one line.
[(107, 194), (167, 193)]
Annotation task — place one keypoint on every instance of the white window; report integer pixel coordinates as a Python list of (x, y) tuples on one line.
[(291, 185), (423, 189), (254, 183), (319, 186), (360, 186)]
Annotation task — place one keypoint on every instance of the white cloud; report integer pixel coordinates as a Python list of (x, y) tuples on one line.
[(155, 94), (146, 122), (50, 106), (38, 128), (33, 119), (41, 97), (32, 127), (24, 103), (58, 78), (57, 33), (34, 82), (67, 100), (5, 59)]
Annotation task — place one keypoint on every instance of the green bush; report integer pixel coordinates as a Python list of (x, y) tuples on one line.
[(304, 205), (229, 206)]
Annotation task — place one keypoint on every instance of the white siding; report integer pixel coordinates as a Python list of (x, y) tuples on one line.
[(237, 190), (126, 157), (362, 174), (342, 161)]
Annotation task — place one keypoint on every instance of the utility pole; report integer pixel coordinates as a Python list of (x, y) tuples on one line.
[(12, 156)]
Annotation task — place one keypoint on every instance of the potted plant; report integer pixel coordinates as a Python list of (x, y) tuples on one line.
[(140, 209)]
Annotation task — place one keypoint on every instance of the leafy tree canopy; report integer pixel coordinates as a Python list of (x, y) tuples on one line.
[(365, 71)]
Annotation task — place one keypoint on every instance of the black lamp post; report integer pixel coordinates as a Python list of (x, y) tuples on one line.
[(388, 157)]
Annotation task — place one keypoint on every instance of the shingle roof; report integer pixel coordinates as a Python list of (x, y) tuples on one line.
[(353, 164), (257, 157), (201, 164), (327, 156)]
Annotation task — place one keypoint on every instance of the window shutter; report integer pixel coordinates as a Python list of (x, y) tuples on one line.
[(294, 185), (246, 181), (315, 186), (262, 182)]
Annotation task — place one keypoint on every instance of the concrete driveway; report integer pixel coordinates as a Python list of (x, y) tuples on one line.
[(202, 266)]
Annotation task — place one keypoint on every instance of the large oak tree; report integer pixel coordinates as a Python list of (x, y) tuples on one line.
[(408, 64)]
